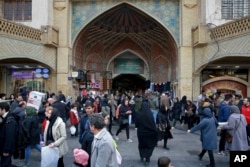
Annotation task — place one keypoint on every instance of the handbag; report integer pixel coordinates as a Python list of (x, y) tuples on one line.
[(228, 137), (125, 121)]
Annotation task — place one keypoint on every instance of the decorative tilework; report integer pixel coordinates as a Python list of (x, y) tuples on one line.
[(164, 11)]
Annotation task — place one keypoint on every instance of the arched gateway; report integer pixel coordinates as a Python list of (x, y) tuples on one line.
[(126, 47)]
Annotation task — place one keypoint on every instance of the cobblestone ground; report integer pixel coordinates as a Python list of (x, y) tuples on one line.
[(183, 152)]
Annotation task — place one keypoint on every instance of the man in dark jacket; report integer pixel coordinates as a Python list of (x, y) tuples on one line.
[(224, 113), (62, 108), (8, 134), (15, 103), (86, 136)]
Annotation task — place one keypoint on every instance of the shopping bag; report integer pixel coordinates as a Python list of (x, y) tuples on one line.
[(49, 156), (72, 130), (118, 157), (129, 119)]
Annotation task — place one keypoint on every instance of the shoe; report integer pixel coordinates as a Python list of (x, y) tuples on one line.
[(142, 159), (26, 164), (221, 153), (130, 141), (146, 164), (116, 138), (166, 147), (199, 157)]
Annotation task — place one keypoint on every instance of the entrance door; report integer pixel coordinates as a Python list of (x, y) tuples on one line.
[(129, 82)]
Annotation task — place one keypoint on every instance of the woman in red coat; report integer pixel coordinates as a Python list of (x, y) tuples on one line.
[(74, 118)]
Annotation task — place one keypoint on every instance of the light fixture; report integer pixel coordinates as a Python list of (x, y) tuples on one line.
[(211, 76), (218, 66), (237, 66), (14, 66)]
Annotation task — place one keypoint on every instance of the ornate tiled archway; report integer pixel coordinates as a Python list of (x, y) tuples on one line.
[(124, 27)]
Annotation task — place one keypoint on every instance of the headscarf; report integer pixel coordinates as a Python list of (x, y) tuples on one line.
[(234, 109), (52, 120), (30, 111)]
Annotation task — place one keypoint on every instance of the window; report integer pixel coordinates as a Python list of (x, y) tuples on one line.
[(235, 9), (17, 10)]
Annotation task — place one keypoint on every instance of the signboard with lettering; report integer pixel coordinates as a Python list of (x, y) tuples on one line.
[(128, 66)]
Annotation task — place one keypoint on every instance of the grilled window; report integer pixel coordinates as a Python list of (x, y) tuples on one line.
[(235, 9), (17, 10)]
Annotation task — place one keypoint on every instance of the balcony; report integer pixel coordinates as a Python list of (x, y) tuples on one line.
[(48, 35), (231, 29), (20, 32)]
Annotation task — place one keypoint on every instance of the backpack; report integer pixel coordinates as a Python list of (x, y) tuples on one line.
[(23, 135)]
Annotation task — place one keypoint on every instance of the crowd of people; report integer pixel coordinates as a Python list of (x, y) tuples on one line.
[(92, 117)]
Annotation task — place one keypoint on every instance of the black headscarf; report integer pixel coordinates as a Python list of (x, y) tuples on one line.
[(146, 119), (52, 120)]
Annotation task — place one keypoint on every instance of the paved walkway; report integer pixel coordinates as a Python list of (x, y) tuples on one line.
[(183, 152)]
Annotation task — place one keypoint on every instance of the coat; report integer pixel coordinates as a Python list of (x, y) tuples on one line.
[(32, 124), (237, 128), (59, 134), (103, 152), (8, 134), (208, 127), (73, 118)]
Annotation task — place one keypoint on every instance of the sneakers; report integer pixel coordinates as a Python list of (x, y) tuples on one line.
[(130, 141), (221, 153), (116, 138)]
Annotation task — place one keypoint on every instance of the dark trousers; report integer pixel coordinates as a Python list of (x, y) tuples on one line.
[(60, 162), (222, 140), (248, 130), (165, 141), (110, 122), (5, 161), (210, 154), (123, 126)]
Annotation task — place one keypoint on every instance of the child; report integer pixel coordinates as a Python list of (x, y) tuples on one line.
[(164, 162)]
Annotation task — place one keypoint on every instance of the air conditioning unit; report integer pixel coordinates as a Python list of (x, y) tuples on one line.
[(200, 35), (49, 35)]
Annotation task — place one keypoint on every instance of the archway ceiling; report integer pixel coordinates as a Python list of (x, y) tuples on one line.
[(125, 21)]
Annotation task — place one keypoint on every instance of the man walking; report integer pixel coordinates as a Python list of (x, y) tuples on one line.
[(8, 135), (103, 147), (224, 113)]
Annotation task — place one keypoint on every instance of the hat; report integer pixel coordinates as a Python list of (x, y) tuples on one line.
[(81, 156)]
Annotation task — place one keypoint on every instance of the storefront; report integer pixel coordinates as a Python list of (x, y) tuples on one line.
[(25, 80)]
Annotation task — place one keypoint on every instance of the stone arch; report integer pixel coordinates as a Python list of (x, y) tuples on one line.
[(96, 39), (226, 83), (78, 33), (124, 51)]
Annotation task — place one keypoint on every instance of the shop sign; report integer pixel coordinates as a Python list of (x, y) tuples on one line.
[(38, 73), (23, 74)]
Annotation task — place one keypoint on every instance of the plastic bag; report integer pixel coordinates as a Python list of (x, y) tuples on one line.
[(129, 119), (118, 157), (72, 130), (49, 156)]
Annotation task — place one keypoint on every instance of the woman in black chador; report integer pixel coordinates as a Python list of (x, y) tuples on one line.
[(163, 126), (146, 132)]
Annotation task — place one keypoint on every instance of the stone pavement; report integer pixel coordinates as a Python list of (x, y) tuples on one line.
[(183, 152)]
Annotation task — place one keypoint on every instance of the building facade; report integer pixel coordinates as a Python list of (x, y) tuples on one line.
[(186, 45)]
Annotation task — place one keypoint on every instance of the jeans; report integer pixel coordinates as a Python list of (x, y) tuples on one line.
[(28, 151), (154, 112)]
